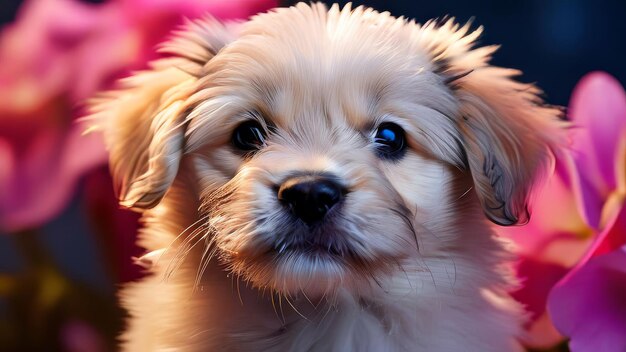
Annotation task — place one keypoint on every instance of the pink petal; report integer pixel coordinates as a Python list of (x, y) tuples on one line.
[(78, 336), (555, 222), (7, 164), (588, 304), (537, 278), (541, 334), (613, 237), (45, 177), (598, 109), (554, 239), (192, 8), (153, 20), (44, 68), (116, 227)]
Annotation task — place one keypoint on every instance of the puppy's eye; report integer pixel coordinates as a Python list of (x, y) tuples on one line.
[(390, 140), (249, 136)]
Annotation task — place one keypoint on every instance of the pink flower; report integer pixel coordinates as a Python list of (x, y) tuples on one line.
[(554, 239), (116, 227), (58, 53), (588, 305), (576, 217), (78, 336)]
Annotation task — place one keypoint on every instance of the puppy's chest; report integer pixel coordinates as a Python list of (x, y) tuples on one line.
[(347, 326), (229, 316)]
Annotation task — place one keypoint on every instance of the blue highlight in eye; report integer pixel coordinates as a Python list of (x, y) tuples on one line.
[(387, 134), (390, 141)]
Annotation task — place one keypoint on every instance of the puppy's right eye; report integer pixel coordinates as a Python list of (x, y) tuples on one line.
[(390, 140), (249, 136)]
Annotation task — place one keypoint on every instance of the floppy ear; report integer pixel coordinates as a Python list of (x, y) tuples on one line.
[(507, 132), (144, 121), (508, 137)]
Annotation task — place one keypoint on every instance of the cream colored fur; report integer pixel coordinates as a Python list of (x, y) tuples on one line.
[(430, 276)]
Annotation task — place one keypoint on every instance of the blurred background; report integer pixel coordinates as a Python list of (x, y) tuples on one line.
[(65, 246)]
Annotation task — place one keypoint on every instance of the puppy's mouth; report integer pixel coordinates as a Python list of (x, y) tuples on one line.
[(324, 241), (314, 250), (298, 258)]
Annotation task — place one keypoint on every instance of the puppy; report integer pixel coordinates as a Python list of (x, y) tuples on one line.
[(322, 180)]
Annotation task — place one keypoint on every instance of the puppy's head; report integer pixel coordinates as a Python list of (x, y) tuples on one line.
[(323, 141)]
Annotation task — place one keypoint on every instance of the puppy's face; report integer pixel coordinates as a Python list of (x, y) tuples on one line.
[(318, 158), (324, 143)]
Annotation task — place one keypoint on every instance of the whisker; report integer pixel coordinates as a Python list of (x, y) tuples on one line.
[(308, 299), (409, 223), (185, 230), (180, 256), (465, 193), (280, 306), (274, 306), (408, 280), (295, 309), (186, 246), (238, 289), (203, 265), (447, 257), (329, 305), (207, 255)]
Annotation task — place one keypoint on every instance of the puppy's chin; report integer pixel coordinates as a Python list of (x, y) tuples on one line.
[(313, 271)]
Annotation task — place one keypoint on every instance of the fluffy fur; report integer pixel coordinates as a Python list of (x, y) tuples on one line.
[(415, 265)]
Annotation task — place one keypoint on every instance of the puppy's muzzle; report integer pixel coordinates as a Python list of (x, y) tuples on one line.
[(311, 197)]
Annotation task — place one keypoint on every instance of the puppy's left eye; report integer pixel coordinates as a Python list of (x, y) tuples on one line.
[(249, 136), (390, 140)]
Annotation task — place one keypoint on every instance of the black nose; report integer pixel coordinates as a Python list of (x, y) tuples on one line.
[(310, 197)]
